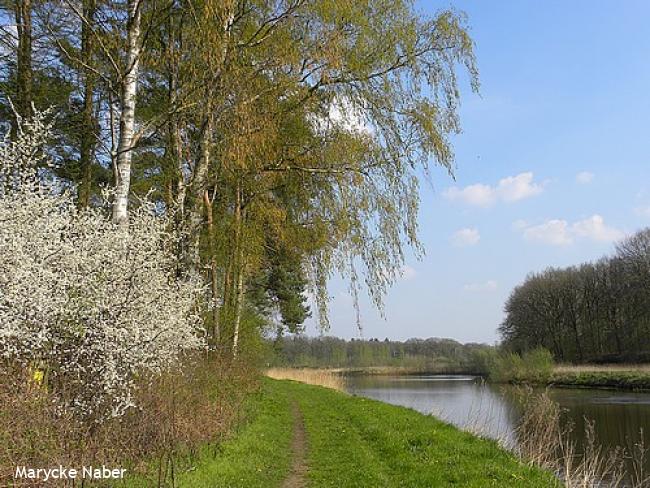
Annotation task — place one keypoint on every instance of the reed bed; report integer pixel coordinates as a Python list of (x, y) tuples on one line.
[(543, 441), (320, 377)]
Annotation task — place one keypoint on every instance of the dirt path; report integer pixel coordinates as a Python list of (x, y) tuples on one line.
[(297, 475)]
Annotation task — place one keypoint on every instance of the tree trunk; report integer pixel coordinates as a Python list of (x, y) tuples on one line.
[(23, 106), (214, 287), (239, 299), (198, 186), (127, 115), (201, 171), (239, 268), (88, 123)]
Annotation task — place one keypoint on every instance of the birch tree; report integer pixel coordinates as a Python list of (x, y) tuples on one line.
[(128, 89)]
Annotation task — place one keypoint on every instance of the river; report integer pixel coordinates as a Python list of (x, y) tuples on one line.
[(620, 418)]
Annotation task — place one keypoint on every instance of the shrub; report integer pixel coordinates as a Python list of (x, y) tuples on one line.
[(538, 365), (85, 306), (535, 366), (178, 413)]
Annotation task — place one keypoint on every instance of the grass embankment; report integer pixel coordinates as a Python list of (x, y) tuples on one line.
[(354, 442), (257, 456), (357, 442), (627, 377)]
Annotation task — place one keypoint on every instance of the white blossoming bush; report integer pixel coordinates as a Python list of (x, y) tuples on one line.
[(86, 306)]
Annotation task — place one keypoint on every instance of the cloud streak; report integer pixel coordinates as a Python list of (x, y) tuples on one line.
[(559, 232), (642, 211), (584, 177), (489, 285), (465, 237), (508, 190)]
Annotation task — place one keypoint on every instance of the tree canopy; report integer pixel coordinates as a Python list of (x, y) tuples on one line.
[(592, 312), (285, 139)]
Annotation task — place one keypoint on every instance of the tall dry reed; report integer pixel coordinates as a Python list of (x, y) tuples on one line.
[(319, 377), (543, 440)]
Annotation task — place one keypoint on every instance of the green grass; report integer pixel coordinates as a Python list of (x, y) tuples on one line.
[(257, 457), (626, 380), (354, 443)]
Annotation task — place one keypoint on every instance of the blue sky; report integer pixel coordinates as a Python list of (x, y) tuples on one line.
[(552, 166)]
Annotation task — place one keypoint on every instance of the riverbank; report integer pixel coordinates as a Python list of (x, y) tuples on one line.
[(402, 370), (634, 377), (623, 377), (301, 435)]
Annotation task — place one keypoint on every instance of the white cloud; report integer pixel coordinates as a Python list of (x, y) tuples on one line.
[(465, 237), (584, 177), (558, 232), (509, 189), (514, 188), (489, 285), (478, 195), (554, 232), (594, 228), (408, 273), (347, 116)]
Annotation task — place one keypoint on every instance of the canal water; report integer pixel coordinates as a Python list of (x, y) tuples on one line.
[(620, 418)]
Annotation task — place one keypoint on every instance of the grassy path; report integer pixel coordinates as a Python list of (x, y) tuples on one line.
[(356, 442), (307, 436), (296, 478)]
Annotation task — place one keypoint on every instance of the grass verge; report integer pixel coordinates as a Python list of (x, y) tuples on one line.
[(356, 442), (624, 380), (352, 443), (258, 455)]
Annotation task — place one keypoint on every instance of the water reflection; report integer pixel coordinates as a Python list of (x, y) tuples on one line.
[(492, 410)]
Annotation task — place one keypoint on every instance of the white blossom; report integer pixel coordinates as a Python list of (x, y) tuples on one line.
[(89, 303)]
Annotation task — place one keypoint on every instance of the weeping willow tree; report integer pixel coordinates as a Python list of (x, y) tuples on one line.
[(335, 111)]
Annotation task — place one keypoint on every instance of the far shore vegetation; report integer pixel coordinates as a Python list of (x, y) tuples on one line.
[(446, 356)]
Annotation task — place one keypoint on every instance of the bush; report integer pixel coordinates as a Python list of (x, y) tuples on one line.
[(86, 307), (178, 412), (538, 365), (535, 366)]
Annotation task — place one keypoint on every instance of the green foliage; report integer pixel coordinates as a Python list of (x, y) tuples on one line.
[(427, 355), (595, 312), (287, 138), (534, 366), (280, 287)]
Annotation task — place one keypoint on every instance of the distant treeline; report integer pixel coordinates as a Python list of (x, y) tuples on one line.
[(432, 354), (598, 312)]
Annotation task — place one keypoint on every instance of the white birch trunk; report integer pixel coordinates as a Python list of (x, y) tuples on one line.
[(239, 299), (197, 189), (127, 116), (201, 172)]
